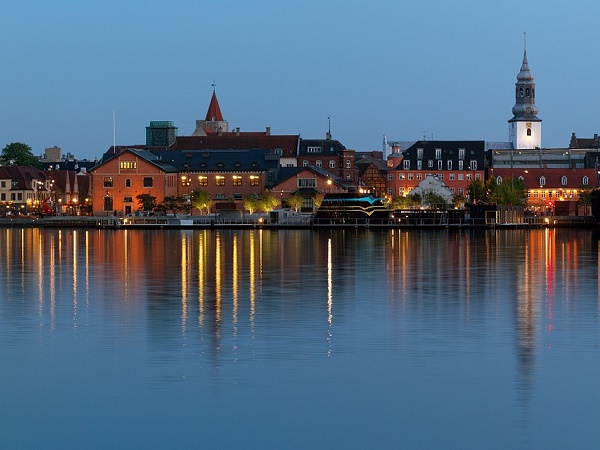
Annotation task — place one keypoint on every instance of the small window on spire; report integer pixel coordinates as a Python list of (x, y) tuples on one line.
[(527, 93), (528, 131), (520, 92)]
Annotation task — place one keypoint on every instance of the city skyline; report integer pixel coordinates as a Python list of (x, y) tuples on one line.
[(432, 70)]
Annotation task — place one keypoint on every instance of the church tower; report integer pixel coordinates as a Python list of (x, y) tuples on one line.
[(213, 123), (525, 129)]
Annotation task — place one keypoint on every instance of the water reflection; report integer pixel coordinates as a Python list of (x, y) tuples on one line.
[(501, 304)]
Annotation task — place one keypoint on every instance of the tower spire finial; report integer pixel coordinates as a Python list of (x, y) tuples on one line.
[(214, 85), (525, 40)]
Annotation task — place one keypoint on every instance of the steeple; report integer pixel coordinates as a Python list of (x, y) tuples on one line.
[(214, 122), (525, 128), (214, 111)]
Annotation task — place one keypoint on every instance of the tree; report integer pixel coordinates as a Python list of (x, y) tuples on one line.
[(415, 198), (18, 154), (400, 202), (268, 202), (585, 199), (434, 200), (458, 199), (318, 200), (146, 202), (201, 200), (251, 203), (295, 201), (510, 192), (477, 192), (175, 204)]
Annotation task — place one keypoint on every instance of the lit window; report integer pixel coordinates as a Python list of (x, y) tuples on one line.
[(108, 182), (219, 180), (237, 180), (254, 180), (202, 180), (128, 165)]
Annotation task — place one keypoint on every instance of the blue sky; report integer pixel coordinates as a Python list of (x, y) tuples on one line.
[(403, 69)]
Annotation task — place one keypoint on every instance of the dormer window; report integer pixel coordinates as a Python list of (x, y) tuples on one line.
[(585, 181), (563, 180), (498, 180), (438, 153), (406, 164), (542, 181)]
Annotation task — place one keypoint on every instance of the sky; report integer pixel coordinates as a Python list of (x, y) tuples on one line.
[(70, 69)]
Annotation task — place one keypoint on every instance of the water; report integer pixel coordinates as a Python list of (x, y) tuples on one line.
[(299, 339)]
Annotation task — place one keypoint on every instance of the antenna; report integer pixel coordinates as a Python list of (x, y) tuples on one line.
[(114, 132), (329, 124), (214, 85), (524, 40)]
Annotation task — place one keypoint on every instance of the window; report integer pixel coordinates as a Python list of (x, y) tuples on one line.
[(460, 165), (536, 194), (542, 181), (461, 177), (469, 177), (254, 180), (461, 191), (127, 183), (331, 164), (390, 176), (348, 164), (401, 176), (307, 182), (478, 176), (319, 163), (499, 180), (237, 180), (527, 92), (543, 194), (585, 181), (108, 203), (219, 180), (13, 197), (451, 177), (411, 176), (419, 176), (440, 164), (419, 153), (3, 197), (473, 164), (128, 199), (305, 163), (528, 131), (185, 180), (220, 196), (347, 176), (563, 181), (128, 165), (3, 184), (449, 164), (461, 153), (108, 182), (430, 163), (202, 180), (390, 192), (419, 164), (313, 149), (148, 182), (406, 164), (438, 153)]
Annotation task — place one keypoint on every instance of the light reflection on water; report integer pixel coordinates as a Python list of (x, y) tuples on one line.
[(299, 339)]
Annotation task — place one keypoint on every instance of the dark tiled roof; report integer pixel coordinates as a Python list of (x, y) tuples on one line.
[(327, 146), (219, 160), (143, 154), (242, 140)]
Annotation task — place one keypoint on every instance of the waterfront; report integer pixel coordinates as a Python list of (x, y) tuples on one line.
[(299, 338)]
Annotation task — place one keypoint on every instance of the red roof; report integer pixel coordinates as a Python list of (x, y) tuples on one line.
[(214, 111), (553, 177)]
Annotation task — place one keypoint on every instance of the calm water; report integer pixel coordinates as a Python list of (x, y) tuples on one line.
[(299, 339)]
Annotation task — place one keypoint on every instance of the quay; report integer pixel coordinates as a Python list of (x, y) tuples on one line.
[(199, 222)]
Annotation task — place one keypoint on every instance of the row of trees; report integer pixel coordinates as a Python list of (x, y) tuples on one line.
[(202, 201)]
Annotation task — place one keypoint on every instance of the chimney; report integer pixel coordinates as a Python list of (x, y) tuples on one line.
[(237, 131), (268, 132)]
